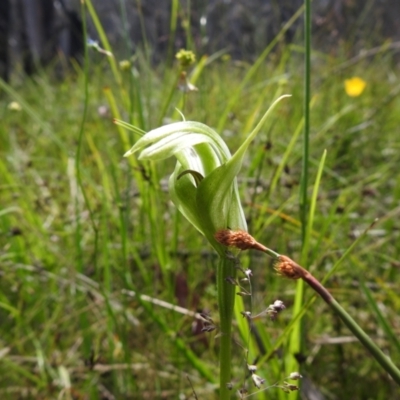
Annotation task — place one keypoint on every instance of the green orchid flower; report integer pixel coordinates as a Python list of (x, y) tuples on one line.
[(204, 188), (203, 185)]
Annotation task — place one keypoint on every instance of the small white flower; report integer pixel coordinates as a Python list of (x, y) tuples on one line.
[(257, 380)]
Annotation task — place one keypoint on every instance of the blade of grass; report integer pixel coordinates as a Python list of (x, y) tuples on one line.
[(78, 240), (234, 97), (296, 337), (383, 322), (104, 42), (173, 23)]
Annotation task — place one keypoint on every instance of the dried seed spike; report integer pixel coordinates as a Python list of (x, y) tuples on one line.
[(239, 239), (288, 268)]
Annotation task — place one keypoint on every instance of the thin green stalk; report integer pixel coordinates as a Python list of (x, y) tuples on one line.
[(104, 42), (383, 320), (125, 27), (313, 205), (172, 28), (290, 269), (226, 302), (133, 89), (366, 341), (296, 336), (306, 107), (146, 45), (168, 100), (285, 157), (188, 27), (78, 157), (83, 317), (358, 332)]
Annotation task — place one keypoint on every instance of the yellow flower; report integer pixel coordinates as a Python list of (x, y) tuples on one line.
[(354, 86)]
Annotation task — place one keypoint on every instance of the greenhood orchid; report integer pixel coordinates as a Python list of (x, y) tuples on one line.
[(203, 185), (204, 188)]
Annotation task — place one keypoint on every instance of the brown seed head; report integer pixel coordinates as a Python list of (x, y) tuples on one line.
[(288, 268), (239, 239)]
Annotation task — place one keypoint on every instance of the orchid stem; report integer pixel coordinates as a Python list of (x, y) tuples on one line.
[(226, 302)]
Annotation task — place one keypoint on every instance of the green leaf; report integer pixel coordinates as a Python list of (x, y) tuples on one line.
[(218, 194)]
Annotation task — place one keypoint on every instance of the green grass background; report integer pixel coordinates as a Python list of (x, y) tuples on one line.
[(84, 232)]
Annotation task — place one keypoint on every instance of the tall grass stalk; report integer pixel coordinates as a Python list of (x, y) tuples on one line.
[(173, 23), (188, 26), (297, 334), (79, 153), (105, 42)]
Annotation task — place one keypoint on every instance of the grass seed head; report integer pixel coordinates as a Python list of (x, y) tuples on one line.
[(286, 267)]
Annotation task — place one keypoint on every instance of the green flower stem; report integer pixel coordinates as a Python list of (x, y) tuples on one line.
[(226, 302), (385, 362), (288, 267)]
